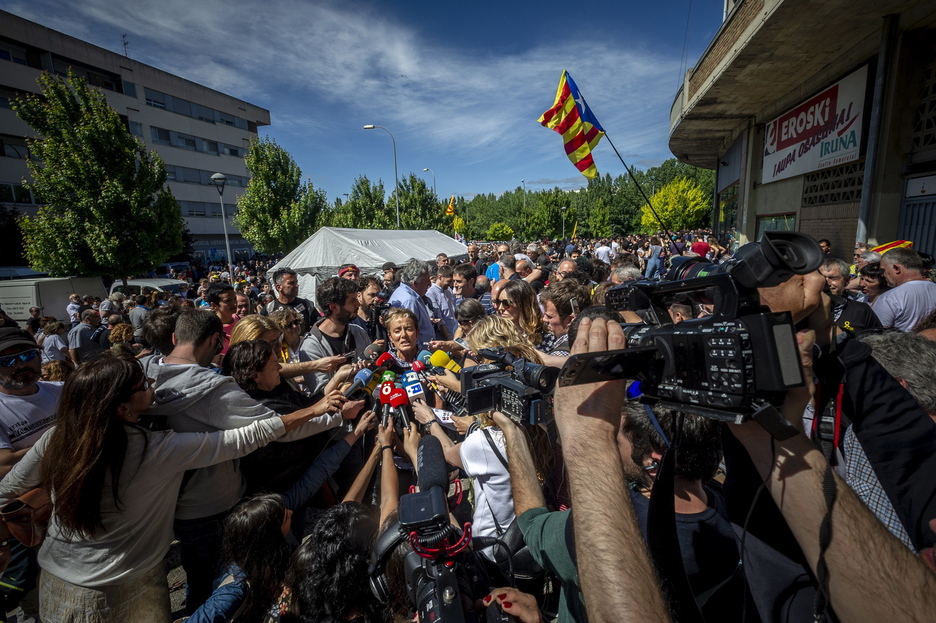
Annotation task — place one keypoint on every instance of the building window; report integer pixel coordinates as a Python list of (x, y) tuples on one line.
[(13, 147), (185, 141), (728, 208), (128, 88), (775, 222), (160, 136), (15, 193), (136, 128), (834, 185), (155, 98)]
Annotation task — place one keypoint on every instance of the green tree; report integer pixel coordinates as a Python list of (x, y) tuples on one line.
[(107, 209), (277, 210), (599, 220), (364, 209), (419, 207), (499, 231), (681, 204)]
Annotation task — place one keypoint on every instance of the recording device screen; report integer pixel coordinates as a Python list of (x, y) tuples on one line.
[(625, 363)]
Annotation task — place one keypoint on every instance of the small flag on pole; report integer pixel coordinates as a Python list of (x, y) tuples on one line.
[(573, 119), (450, 210), (574, 229)]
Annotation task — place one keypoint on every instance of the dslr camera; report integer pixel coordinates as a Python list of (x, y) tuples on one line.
[(734, 359), (512, 385)]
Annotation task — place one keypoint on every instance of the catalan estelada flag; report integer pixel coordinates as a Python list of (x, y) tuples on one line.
[(884, 248), (450, 210), (573, 119)]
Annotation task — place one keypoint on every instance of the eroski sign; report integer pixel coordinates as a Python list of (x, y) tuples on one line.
[(824, 131)]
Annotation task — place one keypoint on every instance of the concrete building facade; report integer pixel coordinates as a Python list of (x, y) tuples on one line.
[(819, 117), (196, 130)]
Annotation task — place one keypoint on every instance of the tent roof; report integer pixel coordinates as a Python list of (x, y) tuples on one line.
[(368, 249)]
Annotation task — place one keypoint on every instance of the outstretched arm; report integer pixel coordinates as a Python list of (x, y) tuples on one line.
[(606, 531)]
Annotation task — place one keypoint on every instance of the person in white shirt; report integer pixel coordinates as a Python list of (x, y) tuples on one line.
[(911, 297)]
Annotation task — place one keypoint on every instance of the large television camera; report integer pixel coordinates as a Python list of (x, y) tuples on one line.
[(512, 385), (733, 359)]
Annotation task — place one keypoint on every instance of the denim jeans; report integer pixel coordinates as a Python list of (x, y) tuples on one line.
[(200, 546), (653, 269)]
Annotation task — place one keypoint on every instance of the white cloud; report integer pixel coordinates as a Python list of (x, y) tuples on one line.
[(309, 62)]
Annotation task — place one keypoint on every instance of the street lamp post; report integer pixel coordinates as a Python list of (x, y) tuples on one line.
[(434, 191), (563, 208), (524, 195), (396, 178), (219, 180)]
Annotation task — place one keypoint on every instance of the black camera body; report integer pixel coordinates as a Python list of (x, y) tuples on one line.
[(734, 362), (512, 385)]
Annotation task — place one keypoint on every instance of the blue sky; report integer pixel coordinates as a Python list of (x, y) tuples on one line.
[(461, 86)]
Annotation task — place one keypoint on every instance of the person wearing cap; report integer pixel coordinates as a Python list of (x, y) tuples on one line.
[(27, 410), (33, 322), (349, 271), (82, 346)]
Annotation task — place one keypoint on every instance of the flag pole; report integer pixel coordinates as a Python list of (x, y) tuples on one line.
[(636, 183)]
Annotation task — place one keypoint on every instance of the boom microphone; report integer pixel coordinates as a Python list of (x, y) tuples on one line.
[(361, 379), (441, 359), (430, 465)]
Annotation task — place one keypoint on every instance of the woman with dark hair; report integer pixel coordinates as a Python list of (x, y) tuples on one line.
[(223, 301), (254, 366), (872, 281), (114, 485), (329, 579)]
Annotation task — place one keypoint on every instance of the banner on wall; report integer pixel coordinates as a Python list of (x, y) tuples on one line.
[(824, 131)]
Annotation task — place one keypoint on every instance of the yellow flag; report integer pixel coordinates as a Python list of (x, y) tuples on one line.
[(450, 210), (574, 229)]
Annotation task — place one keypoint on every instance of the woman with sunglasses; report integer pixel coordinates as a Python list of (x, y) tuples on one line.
[(114, 485), (517, 302)]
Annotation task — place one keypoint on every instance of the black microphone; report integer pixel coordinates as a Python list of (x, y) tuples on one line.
[(430, 465), (372, 352)]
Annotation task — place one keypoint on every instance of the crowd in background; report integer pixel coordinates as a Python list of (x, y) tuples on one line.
[(218, 417)]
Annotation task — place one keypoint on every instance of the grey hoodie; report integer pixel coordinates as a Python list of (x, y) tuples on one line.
[(191, 398)]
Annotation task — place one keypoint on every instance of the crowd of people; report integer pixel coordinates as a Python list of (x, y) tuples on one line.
[(248, 423)]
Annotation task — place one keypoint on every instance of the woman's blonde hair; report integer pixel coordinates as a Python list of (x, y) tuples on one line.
[(497, 331), (252, 327), (523, 296), (121, 333), (395, 313)]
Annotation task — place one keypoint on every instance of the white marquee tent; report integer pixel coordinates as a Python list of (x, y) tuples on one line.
[(320, 256)]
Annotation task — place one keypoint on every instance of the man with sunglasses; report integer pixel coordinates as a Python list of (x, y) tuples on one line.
[(27, 409)]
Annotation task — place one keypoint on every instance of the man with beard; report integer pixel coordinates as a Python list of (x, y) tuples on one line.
[(27, 410), (334, 334), (286, 284)]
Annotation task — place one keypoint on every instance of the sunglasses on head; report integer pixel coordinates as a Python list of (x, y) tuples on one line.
[(26, 355)]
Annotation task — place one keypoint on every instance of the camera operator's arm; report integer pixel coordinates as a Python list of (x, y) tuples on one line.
[(886, 577), (424, 415), (389, 479), (617, 579), (527, 493), (556, 361)]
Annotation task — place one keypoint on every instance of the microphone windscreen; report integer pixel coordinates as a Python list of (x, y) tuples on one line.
[(418, 366), (440, 359), (398, 397), (388, 376), (361, 379), (424, 356), (430, 464), (373, 351), (385, 359), (385, 390)]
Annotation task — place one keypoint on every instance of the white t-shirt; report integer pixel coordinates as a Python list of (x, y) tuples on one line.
[(904, 306), (23, 419), (604, 253), (493, 492)]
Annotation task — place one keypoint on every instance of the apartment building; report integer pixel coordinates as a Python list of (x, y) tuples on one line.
[(196, 130)]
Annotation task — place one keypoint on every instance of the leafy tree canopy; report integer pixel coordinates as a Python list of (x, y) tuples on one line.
[(681, 204), (277, 211), (108, 211)]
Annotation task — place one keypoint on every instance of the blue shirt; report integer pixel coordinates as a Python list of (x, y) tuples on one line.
[(404, 296), (493, 272)]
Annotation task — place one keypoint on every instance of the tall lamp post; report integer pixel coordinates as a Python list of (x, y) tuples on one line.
[(396, 178), (434, 191), (524, 195), (563, 208), (219, 180)]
